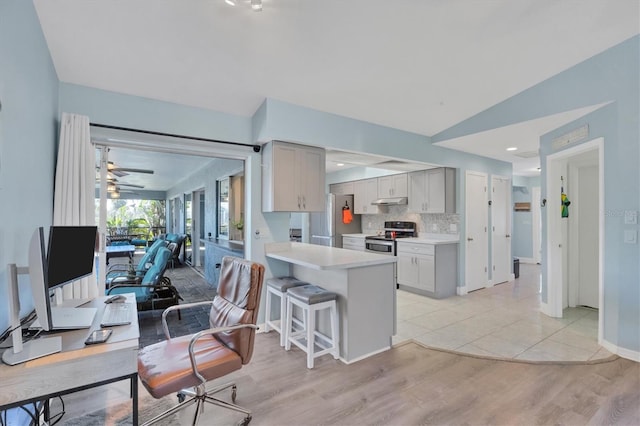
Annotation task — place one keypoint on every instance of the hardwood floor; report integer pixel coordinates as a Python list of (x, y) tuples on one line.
[(412, 385), (407, 385)]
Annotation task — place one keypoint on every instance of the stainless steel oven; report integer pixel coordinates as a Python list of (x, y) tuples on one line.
[(380, 245)]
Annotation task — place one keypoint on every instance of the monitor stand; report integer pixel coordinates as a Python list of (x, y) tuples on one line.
[(32, 349), (69, 318), (22, 352)]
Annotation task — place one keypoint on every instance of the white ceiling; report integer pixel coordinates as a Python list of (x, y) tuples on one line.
[(419, 66)]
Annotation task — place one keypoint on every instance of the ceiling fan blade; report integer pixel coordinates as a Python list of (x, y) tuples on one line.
[(115, 170), (130, 185)]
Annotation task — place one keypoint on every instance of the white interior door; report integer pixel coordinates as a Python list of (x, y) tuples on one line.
[(584, 238), (476, 240), (501, 229)]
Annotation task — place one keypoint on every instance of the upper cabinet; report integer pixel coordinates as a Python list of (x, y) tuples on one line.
[(392, 186), (432, 191), (293, 178), (364, 193), (344, 188)]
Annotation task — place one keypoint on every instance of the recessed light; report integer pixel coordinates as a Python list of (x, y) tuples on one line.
[(512, 148), (339, 164), (230, 2)]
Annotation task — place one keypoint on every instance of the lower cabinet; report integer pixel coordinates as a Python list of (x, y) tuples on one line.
[(353, 243), (428, 269), (213, 260)]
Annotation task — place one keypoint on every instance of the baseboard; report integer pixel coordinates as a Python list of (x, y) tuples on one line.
[(364, 356), (461, 291), (545, 308), (622, 352), (529, 260)]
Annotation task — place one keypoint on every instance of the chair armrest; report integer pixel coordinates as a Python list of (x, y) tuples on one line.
[(166, 312), (216, 330), (125, 279)]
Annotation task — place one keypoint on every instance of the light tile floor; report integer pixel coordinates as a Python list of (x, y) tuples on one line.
[(501, 321)]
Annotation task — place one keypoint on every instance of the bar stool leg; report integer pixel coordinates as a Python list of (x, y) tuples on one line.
[(286, 327), (310, 314), (334, 331), (283, 316)]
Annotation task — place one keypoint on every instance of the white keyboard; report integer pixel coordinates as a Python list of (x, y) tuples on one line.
[(116, 314)]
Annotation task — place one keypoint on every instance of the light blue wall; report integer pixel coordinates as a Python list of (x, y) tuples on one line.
[(28, 134), (610, 76)]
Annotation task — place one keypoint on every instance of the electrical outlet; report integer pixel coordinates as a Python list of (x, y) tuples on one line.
[(630, 236), (630, 217)]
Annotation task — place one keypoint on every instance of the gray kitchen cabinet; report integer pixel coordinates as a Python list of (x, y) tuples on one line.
[(364, 192), (392, 186), (432, 191), (293, 178), (353, 243), (428, 269)]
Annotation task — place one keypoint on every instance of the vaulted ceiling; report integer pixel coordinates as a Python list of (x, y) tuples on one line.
[(420, 66)]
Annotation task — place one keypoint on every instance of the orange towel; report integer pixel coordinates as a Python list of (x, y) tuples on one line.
[(347, 217)]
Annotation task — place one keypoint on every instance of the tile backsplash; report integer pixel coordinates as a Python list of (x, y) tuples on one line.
[(427, 223)]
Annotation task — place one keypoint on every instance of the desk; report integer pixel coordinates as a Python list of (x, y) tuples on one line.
[(78, 366), (120, 251)]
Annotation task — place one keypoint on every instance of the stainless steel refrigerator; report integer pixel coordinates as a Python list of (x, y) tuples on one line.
[(327, 228)]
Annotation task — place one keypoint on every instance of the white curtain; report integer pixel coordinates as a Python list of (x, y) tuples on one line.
[(74, 197)]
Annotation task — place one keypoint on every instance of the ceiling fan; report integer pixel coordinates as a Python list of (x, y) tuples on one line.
[(124, 171)]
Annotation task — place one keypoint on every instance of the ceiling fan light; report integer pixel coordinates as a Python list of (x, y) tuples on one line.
[(256, 5), (111, 188), (115, 194)]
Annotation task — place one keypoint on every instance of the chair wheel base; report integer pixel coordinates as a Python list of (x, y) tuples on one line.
[(234, 391), (245, 421)]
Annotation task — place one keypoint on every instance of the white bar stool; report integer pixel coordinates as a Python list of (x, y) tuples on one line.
[(278, 286), (312, 299)]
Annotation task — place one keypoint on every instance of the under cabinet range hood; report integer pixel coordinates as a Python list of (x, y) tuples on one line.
[(397, 201)]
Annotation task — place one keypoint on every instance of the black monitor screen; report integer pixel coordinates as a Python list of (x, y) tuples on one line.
[(71, 253)]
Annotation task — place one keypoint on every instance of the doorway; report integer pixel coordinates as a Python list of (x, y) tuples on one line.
[(569, 254), (476, 224), (501, 229)]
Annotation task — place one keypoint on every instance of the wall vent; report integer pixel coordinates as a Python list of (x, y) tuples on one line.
[(570, 138)]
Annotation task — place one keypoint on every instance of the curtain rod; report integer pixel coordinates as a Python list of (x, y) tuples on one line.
[(256, 148)]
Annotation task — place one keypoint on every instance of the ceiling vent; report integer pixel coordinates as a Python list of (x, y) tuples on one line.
[(526, 154)]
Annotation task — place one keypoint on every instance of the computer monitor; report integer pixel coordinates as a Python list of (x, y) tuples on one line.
[(70, 257)]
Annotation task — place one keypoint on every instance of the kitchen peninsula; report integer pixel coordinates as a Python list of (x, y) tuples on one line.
[(366, 288)]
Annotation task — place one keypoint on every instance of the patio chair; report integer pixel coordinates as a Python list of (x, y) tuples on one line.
[(154, 290), (178, 240), (124, 269)]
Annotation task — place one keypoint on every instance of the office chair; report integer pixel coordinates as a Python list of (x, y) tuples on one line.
[(122, 269), (153, 290), (190, 361)]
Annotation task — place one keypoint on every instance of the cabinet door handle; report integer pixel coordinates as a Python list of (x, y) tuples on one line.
[(508, 236), (304, 202), (298, 202), (469, 239)]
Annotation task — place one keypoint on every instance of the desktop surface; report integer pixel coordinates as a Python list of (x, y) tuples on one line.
[(77, 365)]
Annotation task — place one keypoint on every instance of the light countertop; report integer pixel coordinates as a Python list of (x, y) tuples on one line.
[(434, 239), (323, 257), (356, 235)]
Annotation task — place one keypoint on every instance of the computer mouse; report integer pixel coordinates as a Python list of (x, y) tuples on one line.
[(118, 298)]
